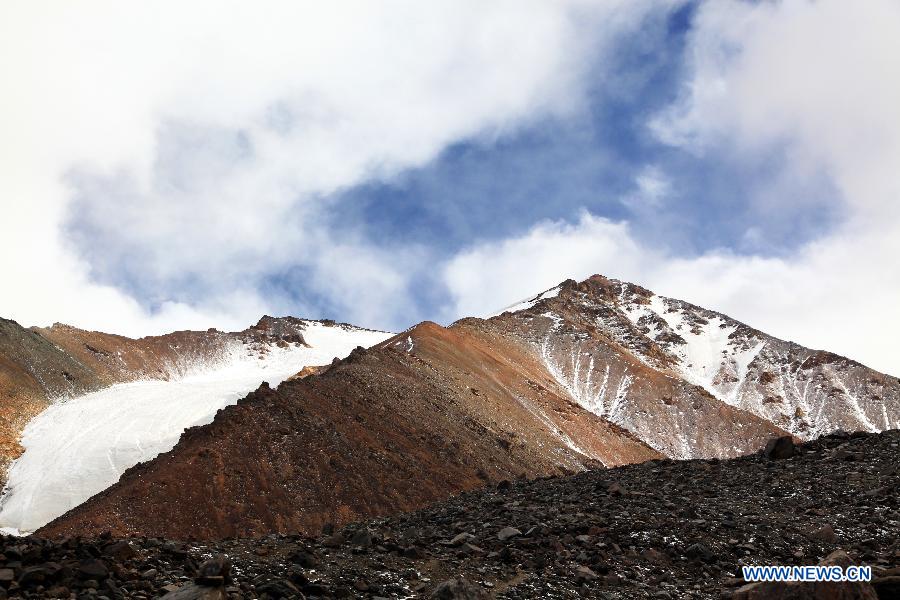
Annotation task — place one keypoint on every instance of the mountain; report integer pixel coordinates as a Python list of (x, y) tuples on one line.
[(425, 415), (107, 402), (618, 349), (596, 373)]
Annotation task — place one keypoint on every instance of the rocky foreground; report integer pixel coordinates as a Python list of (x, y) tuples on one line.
[(660, 529)]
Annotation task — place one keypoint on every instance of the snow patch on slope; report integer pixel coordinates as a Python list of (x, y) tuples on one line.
[(524, 304), (755, 372), (710, 356), (77, 448)]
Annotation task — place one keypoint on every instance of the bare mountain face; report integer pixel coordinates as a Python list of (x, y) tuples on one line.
[(597, 373)]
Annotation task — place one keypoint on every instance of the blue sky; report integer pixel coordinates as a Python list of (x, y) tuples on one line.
[(191, 167), (497, 186)]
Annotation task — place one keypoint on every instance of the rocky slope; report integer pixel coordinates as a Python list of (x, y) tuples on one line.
[(660, 529), (427, 414), (33, 371), (592, 373)]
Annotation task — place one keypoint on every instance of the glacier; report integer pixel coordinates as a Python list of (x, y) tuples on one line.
[(81, 446)]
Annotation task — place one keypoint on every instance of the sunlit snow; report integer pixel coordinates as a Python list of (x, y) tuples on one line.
[(77, 448), (706, 350), (551, 293)]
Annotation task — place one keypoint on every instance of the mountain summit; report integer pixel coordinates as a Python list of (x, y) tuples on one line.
[(608, 343)]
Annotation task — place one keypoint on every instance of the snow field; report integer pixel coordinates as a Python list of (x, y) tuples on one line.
[(79, 447)]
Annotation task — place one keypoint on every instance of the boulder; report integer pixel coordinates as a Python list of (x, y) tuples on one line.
[(92, 568), (214, 571), (887, 587), (363, 538), (700, 552), (279, 588), (780, 448), (508, 533), (120, 551), (825, 533), (460, 539)]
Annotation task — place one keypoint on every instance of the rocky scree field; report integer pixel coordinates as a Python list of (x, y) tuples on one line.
[(659, 529)]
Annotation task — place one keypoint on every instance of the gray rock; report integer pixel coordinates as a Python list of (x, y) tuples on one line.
[(508, 533), (460, 539)]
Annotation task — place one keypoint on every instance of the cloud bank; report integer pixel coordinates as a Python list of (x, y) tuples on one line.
[(161, 162)]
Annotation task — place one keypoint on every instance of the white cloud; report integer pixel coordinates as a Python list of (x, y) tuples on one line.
[(816, 81), (652, 188), (200, 138), (198, 143), (485, 278), (822, 77)]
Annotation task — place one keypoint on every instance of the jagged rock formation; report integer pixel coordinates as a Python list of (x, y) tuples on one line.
[(675, 374)]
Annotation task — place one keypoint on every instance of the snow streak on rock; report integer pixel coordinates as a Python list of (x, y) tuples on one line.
[(661, 368), (561, 435), (808, 393)]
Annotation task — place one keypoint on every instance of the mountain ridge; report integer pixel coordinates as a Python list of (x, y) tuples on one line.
[(586, 374), (598, 372)]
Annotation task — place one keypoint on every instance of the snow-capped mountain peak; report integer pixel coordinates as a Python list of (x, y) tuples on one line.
[(803, 391)]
